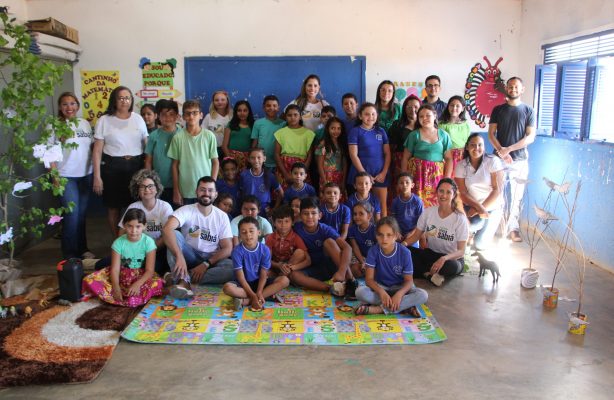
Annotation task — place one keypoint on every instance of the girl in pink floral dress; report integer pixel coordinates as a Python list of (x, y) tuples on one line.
[(130, 281)]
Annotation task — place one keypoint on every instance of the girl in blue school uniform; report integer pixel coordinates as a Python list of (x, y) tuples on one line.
[(260, 181), (363, 183), (361, 236), (406, 208), (389, 279), (370, 152), (229, 183)]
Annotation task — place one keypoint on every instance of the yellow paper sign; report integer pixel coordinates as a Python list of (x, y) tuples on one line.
[(96, 86)]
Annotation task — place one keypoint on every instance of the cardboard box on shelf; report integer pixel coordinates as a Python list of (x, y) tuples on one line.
[(54, 27)]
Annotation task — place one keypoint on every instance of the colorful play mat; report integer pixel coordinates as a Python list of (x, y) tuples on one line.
[(303, 318)]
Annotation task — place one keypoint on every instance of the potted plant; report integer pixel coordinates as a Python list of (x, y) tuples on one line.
[(563, 246), (25, 127), (534, 233)]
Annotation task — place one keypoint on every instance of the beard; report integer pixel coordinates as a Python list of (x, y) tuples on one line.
[(204, 201)]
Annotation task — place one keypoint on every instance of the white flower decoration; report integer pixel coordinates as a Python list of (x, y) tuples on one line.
[(48, 154), (6, 236), (9, 113), (19, 186)]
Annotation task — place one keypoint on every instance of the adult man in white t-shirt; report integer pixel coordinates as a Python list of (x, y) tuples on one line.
[(199, 253)]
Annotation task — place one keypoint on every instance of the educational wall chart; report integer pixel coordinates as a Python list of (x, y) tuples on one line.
[(158, 80), (407, 88), (96, 86), (483, 91)]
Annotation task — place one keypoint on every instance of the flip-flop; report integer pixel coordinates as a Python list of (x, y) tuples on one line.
[(363, 309)]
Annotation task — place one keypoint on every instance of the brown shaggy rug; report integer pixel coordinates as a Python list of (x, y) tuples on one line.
[(59, 344)]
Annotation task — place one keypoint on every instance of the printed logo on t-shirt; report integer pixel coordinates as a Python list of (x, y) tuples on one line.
[(443, 235), (133, 263), (397, 269), (194, 231), (310, 114), (368, 242), (262, 188), (431, 230), (207, 236), (82, 133), (153, 227), (318, 243), (379, 137)]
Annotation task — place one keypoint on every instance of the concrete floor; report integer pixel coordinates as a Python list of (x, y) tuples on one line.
[(501, 343)]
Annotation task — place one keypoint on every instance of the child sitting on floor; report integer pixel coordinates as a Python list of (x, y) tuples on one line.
[(251, 261), (126, 282), (361, 236), (390, 284), (288, 251)]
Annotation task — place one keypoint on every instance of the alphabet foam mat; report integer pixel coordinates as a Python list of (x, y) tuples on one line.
[(303, 318)]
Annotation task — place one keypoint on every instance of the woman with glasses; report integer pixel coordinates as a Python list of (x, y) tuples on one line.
[(146, 186), (121, 136)]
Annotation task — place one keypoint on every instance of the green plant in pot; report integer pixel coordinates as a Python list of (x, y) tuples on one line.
[(26, 81)]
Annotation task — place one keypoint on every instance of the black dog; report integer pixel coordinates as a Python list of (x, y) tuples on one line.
[(487, 264)]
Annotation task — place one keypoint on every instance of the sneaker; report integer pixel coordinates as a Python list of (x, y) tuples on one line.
[(181, 292), (437, 279), (338, 289), (350, 289), (88, 255)]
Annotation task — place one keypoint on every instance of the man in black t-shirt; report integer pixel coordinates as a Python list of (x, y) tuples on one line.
[(511, 130)]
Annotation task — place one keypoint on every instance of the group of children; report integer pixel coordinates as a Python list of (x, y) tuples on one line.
[(323, 228)]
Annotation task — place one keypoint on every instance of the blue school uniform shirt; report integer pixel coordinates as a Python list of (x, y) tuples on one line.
[(352, 200), (334, 219), (315, 241), (306, 191), (370, 145), (390, 269), (407, 212), (250, 261), (256, 185), (364, 239), (233, 190)]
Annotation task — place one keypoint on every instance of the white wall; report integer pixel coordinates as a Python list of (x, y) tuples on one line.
[(402, 39), (549, 21)]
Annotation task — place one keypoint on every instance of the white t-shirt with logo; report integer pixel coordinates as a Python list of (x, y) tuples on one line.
[(156, 218), (201, 232), (443, 234), (77, 162), (217, 125)]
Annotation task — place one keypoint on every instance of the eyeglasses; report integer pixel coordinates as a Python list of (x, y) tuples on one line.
[(190, 113), (432, 85), (147, 187), (125, 99)]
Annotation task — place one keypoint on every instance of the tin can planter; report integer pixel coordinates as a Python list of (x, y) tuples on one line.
[(577, 323), (528, 278), (551, 297)]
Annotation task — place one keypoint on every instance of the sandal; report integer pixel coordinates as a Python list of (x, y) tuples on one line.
[(413, 311), (363, 309)]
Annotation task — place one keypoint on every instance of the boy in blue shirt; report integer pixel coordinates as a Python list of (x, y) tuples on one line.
[(298, 188), (389, 276), (406, 207), (337, 216), (363, 184), (159, 140), (251, 262), (330, 254)]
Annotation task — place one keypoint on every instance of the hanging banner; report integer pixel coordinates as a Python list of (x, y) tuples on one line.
[(158, 80), (96, 86)]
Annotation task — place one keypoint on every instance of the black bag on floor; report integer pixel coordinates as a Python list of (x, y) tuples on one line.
[(70, 276)]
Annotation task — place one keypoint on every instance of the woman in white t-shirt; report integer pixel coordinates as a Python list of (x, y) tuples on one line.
[(446, 229), (309, 103), (121, 136), (76, 167), (480, 182)]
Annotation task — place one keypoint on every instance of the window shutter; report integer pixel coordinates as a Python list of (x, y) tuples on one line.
[(600, 122), (545, 90), (571, 98)]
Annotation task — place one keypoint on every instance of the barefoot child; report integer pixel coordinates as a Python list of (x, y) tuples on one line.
[(361, 236), (390, 285), (406, 208), (130, 280), (337, 216), (251, 261), (288, 251), (298, 188)]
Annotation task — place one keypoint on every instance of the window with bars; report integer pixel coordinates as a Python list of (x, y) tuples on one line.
[(574, 88)]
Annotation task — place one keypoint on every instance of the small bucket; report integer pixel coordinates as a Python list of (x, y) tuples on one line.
[(577, 324), (551, 297)]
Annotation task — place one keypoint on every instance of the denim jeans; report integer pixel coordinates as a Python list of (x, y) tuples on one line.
[(517, 173), (219, 273), (484, 228), (413, 297), (74, 241)]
